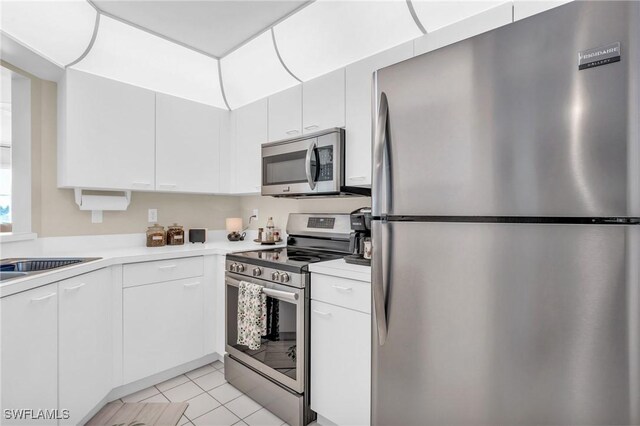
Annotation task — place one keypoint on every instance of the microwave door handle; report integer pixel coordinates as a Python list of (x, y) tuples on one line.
[(311, 151)]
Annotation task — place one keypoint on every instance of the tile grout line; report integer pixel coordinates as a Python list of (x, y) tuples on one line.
[(191, 421)]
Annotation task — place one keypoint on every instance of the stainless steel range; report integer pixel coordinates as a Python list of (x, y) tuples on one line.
[(277, 375)]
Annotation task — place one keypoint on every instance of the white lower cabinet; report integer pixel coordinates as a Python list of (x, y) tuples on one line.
[(340, 353), (85, 335), (29, 354), (163, 326)]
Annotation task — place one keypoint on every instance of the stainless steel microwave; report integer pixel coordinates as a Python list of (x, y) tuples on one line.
[(309, 165)]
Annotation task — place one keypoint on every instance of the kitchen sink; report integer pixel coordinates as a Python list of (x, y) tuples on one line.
[(16, 268)]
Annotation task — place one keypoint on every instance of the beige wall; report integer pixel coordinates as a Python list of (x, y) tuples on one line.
[(54, 212)]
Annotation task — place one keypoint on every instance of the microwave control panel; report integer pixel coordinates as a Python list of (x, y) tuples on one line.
[(325, 155)]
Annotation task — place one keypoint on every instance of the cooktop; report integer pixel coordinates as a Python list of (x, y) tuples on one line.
[(286, 258)]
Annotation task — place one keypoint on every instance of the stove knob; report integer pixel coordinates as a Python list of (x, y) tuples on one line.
[(233, 267), (275, 276), (284, 277), (240, 267), (257, 272)]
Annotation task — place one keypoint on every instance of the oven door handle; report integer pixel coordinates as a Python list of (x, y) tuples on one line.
[(311, 151), (285, 296), (279, 294)]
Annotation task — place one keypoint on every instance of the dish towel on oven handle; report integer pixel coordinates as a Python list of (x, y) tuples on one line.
[(252, 314)]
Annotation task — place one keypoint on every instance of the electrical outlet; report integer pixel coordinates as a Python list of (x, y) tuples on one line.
[(255, 213), (153, 215)]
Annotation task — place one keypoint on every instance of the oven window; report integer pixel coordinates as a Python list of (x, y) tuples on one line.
[(284, 168), (278, 347)]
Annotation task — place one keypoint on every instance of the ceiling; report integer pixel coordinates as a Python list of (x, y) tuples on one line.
[(214, 27)]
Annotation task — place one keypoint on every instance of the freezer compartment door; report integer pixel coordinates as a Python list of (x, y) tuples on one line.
[(505, 124), (507, 324)]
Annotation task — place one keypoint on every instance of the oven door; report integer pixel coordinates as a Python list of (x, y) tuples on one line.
[(282, 351), (305, 166)]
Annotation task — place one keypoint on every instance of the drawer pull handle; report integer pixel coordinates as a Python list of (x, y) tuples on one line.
[(324, 314), (141, 183), (45, 297), (357, 178), (192, 284), (292, 132), (168, 185), (343, 289), (312, 127), (75, 287), (167, 267)]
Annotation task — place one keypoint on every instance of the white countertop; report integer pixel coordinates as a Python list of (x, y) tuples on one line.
[(123, 255), (340, 268)]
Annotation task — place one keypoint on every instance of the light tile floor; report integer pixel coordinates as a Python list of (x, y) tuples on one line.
[(212, 401)]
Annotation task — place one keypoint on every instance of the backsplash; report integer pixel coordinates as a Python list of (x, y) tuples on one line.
[(279, 208)]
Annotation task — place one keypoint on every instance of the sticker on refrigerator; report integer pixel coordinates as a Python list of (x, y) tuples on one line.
[(597, 56)]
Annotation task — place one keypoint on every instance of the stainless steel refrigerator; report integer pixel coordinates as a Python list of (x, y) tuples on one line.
[(506, 203)]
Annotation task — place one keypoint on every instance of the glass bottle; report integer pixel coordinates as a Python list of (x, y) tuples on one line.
[(156, 236), (175, 235)]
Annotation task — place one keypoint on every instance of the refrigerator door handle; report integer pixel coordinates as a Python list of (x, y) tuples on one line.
[(379, 264), (380, 186)]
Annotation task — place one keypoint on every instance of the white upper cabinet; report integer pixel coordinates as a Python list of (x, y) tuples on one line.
[(523, 9), (476, 19), (323, 102), (107, 138), (251, 126), (359, 110), (285, 114), (187, 145)]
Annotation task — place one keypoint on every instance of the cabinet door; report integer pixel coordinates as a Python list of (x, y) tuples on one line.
[(323, 102), (110, 134), (30, 352), (187, 145), (340, 364), (85, 342), (163, 326), (359, 111), (285, 114), (251, 133)]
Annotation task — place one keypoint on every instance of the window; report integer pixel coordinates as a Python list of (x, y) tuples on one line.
[(15, 153), (5, 153)]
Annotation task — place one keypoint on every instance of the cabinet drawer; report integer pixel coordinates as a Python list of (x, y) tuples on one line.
[(338, 291), (162, 270)]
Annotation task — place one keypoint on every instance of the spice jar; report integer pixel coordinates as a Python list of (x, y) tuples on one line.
[(156, 236), (175, 235)]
